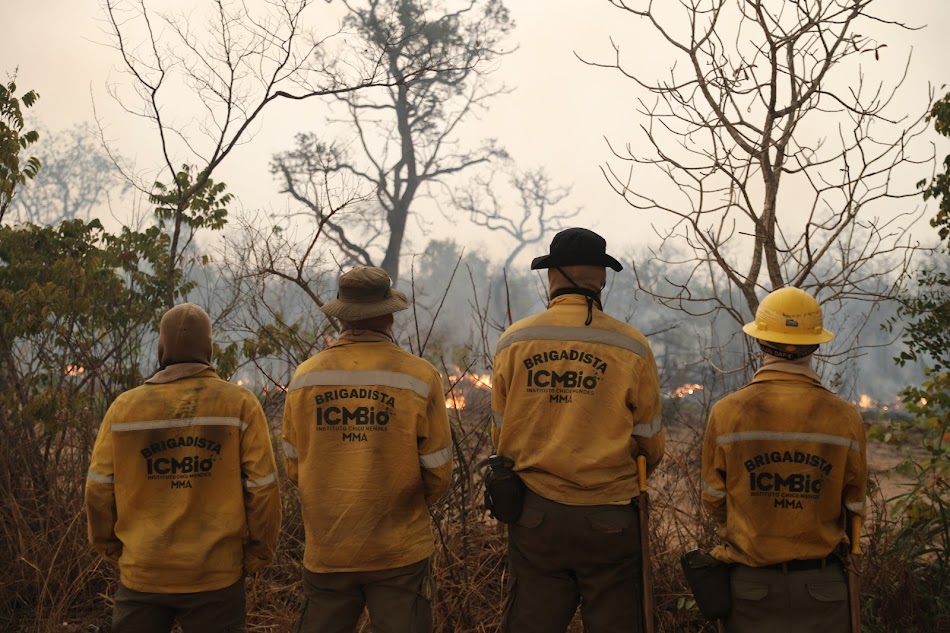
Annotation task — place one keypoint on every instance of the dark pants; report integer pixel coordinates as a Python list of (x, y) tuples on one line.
[(398, 600), (776, 601), (561, 556), (218, 611)]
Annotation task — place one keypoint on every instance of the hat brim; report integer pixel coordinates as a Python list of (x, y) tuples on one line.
[(803, 338), (553, 261), (353, 311)]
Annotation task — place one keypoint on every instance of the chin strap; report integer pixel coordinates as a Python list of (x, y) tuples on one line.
[(592, 295)]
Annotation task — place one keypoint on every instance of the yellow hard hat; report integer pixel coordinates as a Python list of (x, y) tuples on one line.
[(790, 316)]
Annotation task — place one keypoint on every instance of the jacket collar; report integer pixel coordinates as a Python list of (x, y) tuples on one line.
[(363, 336), (800, 366), (790, 373), (179, 371), (571, 300)]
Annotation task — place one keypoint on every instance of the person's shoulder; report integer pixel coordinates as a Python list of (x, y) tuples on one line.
[(841, 406), (511, 332), (608, 322), (525, 322), (232, 390), (132, 395), (221, 391), (416, 365), (617, 333), (737, 397), (312, 363)]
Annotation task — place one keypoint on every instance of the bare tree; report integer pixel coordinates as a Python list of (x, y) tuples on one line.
[(76, 179), (275, 276), (261, 254), (406, 137), (538, 199), (270, 288), (769, 98), (230, 65)]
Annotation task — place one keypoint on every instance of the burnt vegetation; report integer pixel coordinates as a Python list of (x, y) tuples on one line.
[(52, 575)]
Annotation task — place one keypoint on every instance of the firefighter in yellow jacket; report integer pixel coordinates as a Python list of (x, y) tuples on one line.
[(182, 489), (784, 463), (367, 441), (575, 400)]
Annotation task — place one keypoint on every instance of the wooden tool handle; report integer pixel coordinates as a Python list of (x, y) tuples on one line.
[(647, 573), (855, 534), (642, 472), (854, 575)]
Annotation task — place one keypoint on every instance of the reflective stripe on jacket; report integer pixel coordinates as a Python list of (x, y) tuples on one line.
[(782, 460), (182, 486), (573, 405), (367, 440)]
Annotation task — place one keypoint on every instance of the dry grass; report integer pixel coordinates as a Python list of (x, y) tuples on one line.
[(50, 579), (49, 572)]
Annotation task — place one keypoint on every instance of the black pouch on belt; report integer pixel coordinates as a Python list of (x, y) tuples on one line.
[(708, 579), (504, 490)]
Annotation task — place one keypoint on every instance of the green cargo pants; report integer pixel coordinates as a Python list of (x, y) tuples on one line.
[(777, 601), (218, 611), (398, 600), (563, 556)]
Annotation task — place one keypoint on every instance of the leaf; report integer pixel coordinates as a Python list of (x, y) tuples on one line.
[(906, 469)]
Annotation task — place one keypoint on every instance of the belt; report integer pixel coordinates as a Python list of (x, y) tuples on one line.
[(804, 565)]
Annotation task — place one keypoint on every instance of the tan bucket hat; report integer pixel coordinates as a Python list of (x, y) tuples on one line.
[(365, 292)]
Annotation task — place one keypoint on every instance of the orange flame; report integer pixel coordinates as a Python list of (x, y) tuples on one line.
[(455, 401), (866, 402), (687, 390), (483, 380)]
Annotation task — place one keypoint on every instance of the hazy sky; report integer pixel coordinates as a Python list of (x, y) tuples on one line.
[(557, 116)]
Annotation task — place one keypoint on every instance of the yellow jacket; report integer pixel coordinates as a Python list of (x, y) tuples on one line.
[(574, 405), (782, 460), (182, 487), (367, 440)]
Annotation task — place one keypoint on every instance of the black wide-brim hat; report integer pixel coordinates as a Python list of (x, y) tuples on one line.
[(577, 247)]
